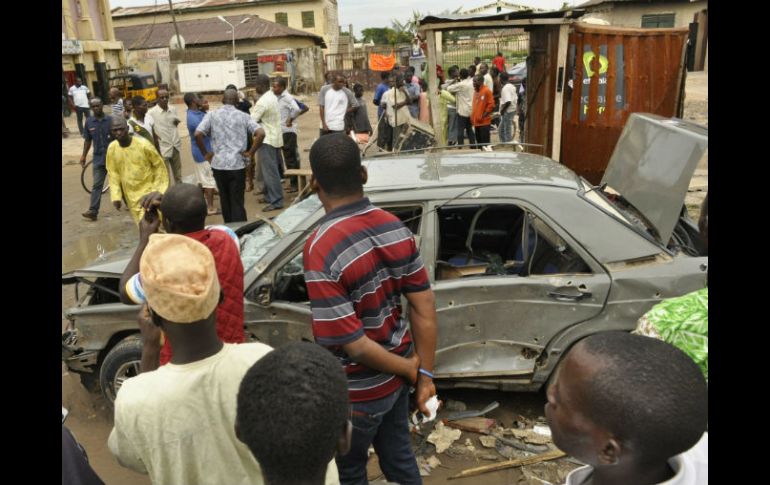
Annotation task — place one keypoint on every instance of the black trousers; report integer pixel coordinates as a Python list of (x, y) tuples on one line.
[(231, 185), (482, 134), (384, 134), (464, 126), (290, 154)]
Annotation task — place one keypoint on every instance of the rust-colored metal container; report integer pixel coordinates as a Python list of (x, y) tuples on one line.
[(612, 72)]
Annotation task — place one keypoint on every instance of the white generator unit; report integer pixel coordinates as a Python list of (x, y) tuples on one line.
[(211, 76)]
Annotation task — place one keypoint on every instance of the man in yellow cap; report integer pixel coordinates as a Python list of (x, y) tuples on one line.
[(177, 423)]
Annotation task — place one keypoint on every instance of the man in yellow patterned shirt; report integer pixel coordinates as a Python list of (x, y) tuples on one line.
[(135, 168)]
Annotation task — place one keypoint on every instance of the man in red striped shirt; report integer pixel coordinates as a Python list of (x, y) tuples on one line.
[(358, 263)]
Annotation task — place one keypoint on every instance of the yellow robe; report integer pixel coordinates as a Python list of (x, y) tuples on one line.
[(135, 171)]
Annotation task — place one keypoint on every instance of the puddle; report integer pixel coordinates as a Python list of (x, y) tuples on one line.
[(86, 250)]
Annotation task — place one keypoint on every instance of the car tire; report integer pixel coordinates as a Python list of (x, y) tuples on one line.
[(122, 362)]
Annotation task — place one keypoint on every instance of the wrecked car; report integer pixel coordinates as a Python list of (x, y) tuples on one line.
[(525, 258)]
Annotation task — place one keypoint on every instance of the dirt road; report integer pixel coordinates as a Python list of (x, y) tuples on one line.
[(83, 241)]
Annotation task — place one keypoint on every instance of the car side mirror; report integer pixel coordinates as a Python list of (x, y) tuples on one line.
[(264, 294)]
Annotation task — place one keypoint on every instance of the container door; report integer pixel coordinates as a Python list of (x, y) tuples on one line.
[(610, 74)]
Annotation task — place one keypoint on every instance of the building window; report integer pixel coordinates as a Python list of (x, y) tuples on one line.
[(657, 21), (308, 20), (250, 68), (282, 18)]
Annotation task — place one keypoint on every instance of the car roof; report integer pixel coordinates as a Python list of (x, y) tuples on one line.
[(132, 74), (455, 168)]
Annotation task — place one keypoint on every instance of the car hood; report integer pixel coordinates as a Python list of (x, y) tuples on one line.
[(652, 165), (110, 265), (113, 264)]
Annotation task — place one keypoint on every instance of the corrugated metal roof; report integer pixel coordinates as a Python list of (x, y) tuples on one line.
[(191, 5), (206, 31), (594, 3), (520, 15)]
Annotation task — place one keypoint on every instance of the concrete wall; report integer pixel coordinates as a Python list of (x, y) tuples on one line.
[(249, 47), (154, 61), (325, 12), (309, 68), (309, 58), (332, 36), (626, 15), (96, 19)]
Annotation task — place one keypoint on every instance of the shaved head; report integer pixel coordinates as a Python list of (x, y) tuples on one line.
[(230, 97), (184, 209)]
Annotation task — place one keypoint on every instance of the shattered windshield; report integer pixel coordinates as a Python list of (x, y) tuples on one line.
[(594, 197), (258, 242)]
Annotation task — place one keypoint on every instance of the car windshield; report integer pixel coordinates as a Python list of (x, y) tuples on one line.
[(258, 242)]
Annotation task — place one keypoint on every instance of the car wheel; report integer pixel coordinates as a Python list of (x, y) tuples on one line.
[(122, 362)]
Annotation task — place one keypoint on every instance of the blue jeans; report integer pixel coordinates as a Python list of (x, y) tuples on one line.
[(506, 127), (270, 165), (100, 173), (384, 424), (451, 132), (82, 113)]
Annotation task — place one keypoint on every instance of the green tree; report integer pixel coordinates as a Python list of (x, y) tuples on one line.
[(378, 35)]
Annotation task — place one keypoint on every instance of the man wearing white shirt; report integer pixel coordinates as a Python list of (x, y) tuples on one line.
[(80, 96), (335, 101), (395, 101), (508, 101), (167, 135), (463, 92), (269, 159), (290, 111)]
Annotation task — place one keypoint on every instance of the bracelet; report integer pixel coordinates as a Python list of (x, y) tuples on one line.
[(425, 372)]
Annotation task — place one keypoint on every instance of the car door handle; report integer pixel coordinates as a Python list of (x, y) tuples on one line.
[(568, 293)]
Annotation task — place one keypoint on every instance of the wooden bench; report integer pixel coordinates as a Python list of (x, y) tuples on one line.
[(303, 180)]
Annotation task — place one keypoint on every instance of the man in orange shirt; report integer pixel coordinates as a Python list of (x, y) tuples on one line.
[(483, 105)]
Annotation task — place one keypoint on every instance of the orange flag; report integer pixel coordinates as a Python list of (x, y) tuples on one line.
[(379, 62)]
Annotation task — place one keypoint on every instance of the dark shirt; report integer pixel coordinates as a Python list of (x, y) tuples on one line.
[(194, 118), (98, 132), (244, 106), (75, 469), (361, 118), (381, 88)]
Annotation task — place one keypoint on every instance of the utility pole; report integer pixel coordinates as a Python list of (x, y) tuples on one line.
[(176, 29)]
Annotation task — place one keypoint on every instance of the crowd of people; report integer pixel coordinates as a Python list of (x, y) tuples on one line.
[(224, 143), (474, 102), (147, 154)]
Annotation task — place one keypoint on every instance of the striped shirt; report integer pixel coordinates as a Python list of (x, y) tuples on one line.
[(358, 263), (117, 107)]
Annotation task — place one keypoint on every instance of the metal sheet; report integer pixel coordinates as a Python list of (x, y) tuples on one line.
[(612, 72), (652, 165)]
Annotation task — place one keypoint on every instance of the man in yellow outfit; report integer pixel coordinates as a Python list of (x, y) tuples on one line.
[(135, 169)]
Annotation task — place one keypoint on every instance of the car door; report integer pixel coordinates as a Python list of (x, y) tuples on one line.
[(277, 306), (498, 324)]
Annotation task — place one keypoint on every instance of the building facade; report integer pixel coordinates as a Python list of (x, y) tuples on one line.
[(317, 17), (89, 47), (659, 14), (265, 47)]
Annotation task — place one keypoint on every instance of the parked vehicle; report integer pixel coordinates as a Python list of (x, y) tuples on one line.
[(517, 73), (524, 256), (136, 84)]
